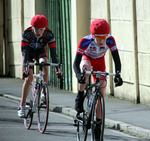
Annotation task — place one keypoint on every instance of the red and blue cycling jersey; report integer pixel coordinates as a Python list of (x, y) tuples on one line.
[(89, 48)]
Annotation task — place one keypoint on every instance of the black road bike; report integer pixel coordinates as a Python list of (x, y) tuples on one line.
[(87, 121)]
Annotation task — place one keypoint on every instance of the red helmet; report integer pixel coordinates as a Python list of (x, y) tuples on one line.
[(39, 21), (99, 26)]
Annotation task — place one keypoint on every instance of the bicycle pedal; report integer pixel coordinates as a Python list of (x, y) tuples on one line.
[(27, 103), (80, 118), (97, 122), (75, 124)]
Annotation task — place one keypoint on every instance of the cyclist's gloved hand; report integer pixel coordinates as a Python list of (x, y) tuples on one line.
[(25, 74), (59, 75), (118, 80), (81, 78)]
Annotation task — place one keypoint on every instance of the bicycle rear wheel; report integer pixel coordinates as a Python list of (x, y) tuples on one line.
[(29, 104), (29, 118), (97, 127), (43, 108)]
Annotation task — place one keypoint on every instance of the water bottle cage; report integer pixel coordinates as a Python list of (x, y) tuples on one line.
[(91, 99)]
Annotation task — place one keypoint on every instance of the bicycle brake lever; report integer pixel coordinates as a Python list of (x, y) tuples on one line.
[(60, 69), (26, 68)]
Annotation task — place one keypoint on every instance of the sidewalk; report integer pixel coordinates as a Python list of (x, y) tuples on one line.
[(120, 114)]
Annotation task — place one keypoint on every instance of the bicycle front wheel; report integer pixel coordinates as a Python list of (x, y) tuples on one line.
[(43, 107), (81, 128), (97, 127), (83, 123)]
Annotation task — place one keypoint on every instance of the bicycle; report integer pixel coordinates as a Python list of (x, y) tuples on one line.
[(87, 120), (34, 102)]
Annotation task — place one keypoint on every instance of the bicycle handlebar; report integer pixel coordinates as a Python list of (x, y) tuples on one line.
[(100, 73), (42, 64), (84, 71)]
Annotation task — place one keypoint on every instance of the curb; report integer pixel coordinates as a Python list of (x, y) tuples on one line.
[(117, 125), (128, 128)]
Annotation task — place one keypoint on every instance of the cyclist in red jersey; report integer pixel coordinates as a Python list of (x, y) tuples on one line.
[(91, 54), (33, 47)]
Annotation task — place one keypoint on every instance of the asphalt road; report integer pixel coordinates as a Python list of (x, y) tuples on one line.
[(60, 127)]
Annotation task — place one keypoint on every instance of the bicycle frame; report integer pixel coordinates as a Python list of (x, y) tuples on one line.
[(98, 75), (98, 96), (90, 114), (35, 100), (40, 74)]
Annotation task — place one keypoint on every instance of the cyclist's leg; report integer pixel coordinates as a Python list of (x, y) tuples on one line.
[(80, 96), (25, 91), (102, 89), (100, 112), (27, 54), (45, 68), (42, 56), (26, 86)]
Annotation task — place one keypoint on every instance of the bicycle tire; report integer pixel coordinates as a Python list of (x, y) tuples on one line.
[(93, 118), (43, 108), (29, 104), (28, 120), (82, 127)]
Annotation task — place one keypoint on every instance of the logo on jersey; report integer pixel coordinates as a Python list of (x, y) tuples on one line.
[(101, 47), (34, 44), (110, 41), (92, 49), (85, 43)]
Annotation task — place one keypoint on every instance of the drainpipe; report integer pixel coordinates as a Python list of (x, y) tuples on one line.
[(136, 53), (110, 56), (1, 37), (22, 16), (6, 46)]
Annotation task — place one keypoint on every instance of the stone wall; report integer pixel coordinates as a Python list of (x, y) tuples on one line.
[(130, 25)]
